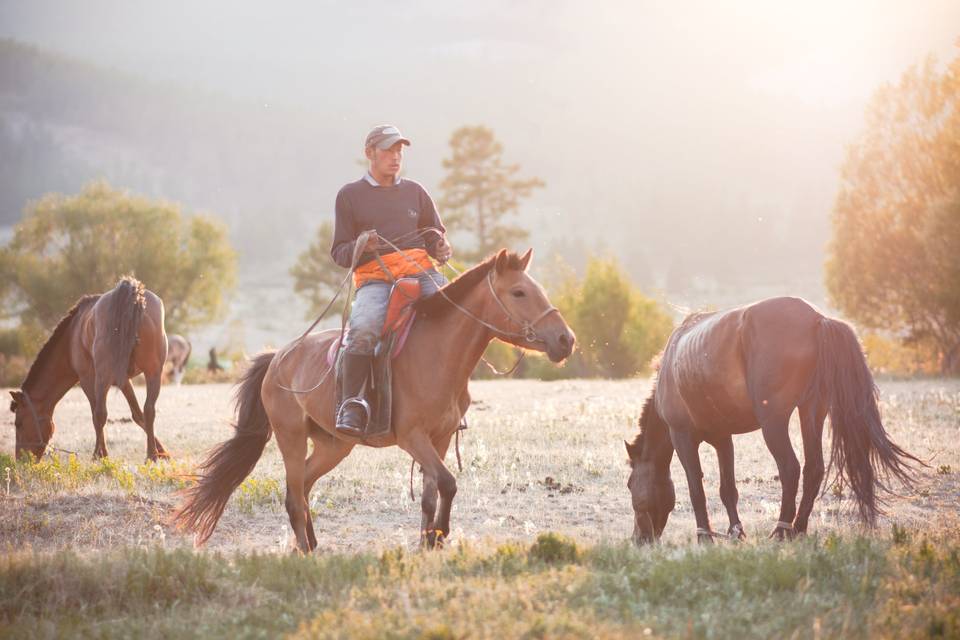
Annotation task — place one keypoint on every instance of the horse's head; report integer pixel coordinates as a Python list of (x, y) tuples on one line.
[(521, 307), (651, 488), (33, 430)]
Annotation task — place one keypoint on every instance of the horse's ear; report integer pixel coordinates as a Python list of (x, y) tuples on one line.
[(16, 395), (525, 259), (501, 264)]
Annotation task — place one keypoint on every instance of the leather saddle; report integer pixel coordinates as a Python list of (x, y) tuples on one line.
[(396, 328)]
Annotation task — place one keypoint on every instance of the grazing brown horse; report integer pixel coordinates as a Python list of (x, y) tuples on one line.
[(104, 340), (727, 373), (495, 299), (178, 355)]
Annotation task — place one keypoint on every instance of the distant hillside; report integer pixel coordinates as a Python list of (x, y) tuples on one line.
[(700, 228), (64, 122)]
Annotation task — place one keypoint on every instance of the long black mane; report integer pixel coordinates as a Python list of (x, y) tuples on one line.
[(46, 351)]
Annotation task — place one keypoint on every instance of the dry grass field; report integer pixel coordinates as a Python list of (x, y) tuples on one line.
[(538, 457)]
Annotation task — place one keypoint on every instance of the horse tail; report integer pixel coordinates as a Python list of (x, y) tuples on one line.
[(125, 307), (863, 454), (229, 462)]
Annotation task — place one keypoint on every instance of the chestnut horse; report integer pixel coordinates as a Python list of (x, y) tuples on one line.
[(103, 341), (728, 373), (495, 299)]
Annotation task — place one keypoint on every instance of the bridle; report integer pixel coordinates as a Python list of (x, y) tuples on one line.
[(527, 327)]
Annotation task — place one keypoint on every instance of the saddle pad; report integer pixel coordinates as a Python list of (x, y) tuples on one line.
[(404, 293), (399, 339), (398, 320)]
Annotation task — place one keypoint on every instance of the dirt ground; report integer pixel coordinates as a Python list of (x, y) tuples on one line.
[(537, 456)]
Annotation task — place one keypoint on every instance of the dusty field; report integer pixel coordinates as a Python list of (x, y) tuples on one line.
[(537, 457)]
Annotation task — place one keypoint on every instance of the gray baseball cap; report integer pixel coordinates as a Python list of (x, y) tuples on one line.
[(385, 136)]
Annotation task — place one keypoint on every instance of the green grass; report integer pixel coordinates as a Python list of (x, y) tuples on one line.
[(903, 585), (58, 473)]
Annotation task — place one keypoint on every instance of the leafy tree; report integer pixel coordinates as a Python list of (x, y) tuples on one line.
[(315, 275), (480, 191), (67, 246), (894, 258), (619, 330)]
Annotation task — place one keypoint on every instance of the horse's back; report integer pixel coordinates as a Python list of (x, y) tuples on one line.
[(730, 366), (702, 381), (302, 365)]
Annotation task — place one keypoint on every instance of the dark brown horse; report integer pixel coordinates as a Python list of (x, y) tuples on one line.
[(103, 341), (495, 299), (727, 373)]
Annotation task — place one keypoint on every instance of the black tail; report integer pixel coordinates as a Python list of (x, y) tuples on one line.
[(864, 456), (229, 462), (125, 311)]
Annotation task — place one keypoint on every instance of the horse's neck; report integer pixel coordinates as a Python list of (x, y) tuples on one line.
[(456, 343), (55, 376), (657, 446)]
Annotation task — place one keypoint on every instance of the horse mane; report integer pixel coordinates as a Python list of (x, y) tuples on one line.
[(48, 347), (459, 287), (693, 319), (635, 448)]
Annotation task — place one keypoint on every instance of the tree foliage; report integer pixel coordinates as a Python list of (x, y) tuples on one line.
[(68, 246), (619, 330), (480, 191), (315, 275), (894, 258)]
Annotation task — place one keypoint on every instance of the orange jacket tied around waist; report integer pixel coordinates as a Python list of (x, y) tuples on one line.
[(400, 264)]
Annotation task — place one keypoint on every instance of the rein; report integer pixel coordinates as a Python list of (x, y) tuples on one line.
[(358, 248), (528, 332), (527, 328)]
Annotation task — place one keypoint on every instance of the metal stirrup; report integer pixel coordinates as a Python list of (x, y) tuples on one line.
[(359, 401)]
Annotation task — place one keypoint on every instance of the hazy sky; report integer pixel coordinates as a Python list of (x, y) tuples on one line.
[(626, 109)]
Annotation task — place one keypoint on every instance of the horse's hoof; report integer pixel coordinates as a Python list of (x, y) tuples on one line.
[(432, 539), (736, 533), (782, 535), (704, 538)]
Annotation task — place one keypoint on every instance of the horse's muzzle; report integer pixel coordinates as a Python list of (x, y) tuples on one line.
[(643, 531), (560, 347)]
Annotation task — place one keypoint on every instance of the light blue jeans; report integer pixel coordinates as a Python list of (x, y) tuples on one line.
[(369, 310)]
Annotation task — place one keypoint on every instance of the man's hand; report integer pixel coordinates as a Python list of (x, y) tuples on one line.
[(373, 241), (444, 251)]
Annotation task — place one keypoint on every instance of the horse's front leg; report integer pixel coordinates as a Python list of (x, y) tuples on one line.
[(437, 479), (428, 511), (686, 446), (728, 485)]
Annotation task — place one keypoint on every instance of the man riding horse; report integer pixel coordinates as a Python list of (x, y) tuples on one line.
[(382, 205)]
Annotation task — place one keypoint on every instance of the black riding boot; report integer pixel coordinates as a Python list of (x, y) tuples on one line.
[(354, 411)]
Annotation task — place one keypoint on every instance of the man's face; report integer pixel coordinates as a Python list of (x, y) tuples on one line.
[(385, 162)]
